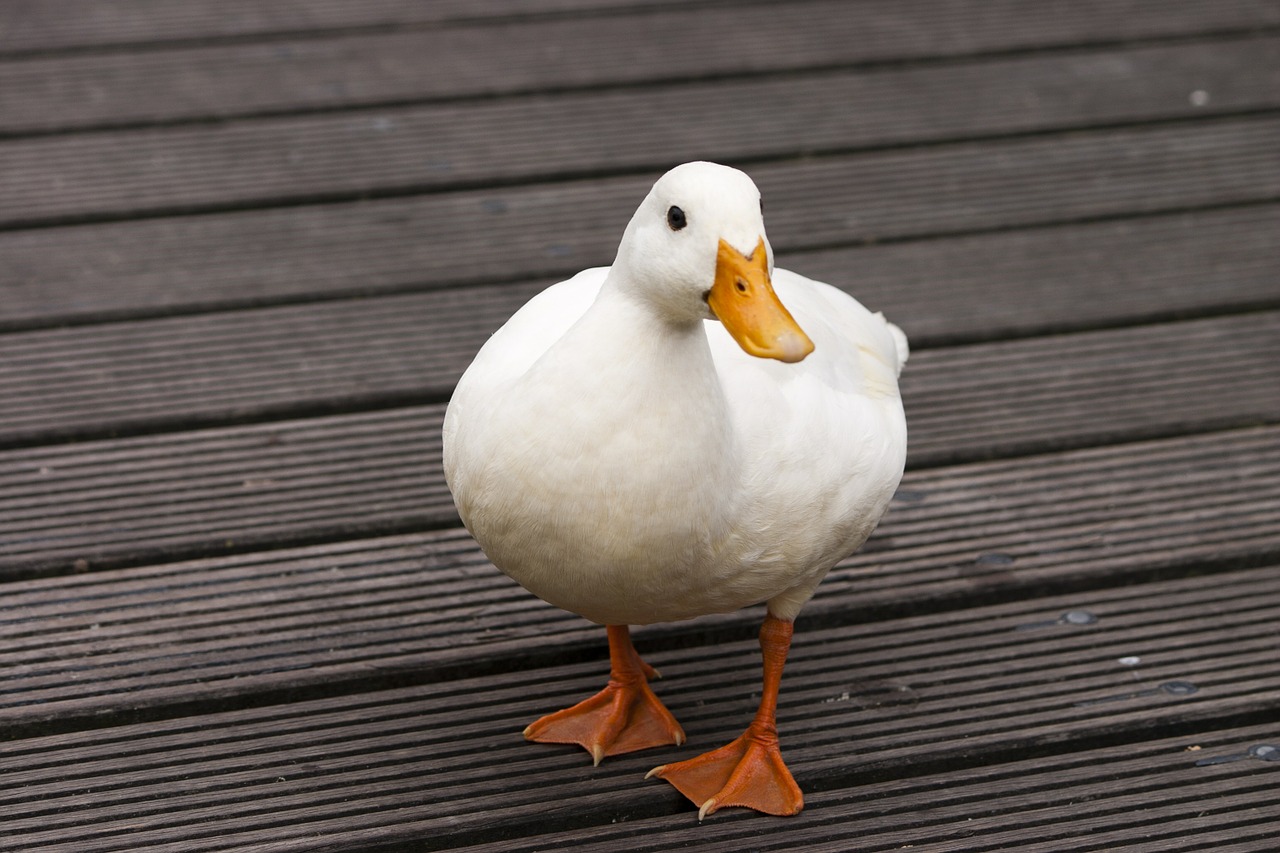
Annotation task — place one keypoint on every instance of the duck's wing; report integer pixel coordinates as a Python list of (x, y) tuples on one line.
[(856, 352), (840, 321), (532, 330), (822, 442)]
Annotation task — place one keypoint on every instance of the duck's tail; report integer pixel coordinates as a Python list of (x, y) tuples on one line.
[(899, 342)]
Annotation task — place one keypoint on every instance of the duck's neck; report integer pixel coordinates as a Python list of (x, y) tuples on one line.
[(639, 377), (673, 354)]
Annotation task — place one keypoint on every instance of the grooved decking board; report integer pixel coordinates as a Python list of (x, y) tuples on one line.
[(60, 24), (414, 347), (1160, 379), (1148, 796), (253, 245), (513, 233), (595, 129), (273, 161), (442, 762), (204, 630), (986, 284), (677, 43), (339, 476), (965, 401), (1062, 278)]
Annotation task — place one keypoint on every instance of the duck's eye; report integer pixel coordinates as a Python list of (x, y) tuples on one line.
[(675, 218)]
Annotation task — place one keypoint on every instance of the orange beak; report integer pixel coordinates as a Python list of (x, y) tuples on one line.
[(742, 298)]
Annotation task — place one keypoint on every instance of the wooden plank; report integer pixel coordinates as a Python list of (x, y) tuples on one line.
[(979, 399), (332, 477), (52, 25), (1173, 797), (1134, 382), (310, 158), (1118, 84), (379, 610), (514, 233), (918, 713), (866, 707), (103, 502), (1017, 282), (412, 348), (1066, 278), (670, 43)]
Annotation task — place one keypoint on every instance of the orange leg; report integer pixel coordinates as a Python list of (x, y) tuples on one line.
[(623, 717), (749, 771)]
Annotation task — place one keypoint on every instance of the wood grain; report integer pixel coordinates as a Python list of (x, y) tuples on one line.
[(189, 170), (389, 72), (246, 248), (53, 25), (1005, 283), (445, 762), (375, 610), (991, 808), (989, 398)]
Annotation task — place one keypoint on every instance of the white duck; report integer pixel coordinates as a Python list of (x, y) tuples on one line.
[(624, 456)]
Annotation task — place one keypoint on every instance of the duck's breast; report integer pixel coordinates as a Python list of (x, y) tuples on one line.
[(823, 442)]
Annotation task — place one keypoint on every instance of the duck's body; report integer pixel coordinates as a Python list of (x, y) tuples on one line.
[(626, 457), (634, 474)]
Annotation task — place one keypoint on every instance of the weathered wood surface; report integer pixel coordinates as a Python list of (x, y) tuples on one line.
[(246, 249), (1122, 84), (881, 195), (279, 620), (632, 46), (436, 762), (109, 501), (1026, 394), (384, 150), (53, 25), (1006, 283), (1098, 799)]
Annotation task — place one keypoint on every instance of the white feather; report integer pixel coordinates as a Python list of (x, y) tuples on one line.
[(630, 463)]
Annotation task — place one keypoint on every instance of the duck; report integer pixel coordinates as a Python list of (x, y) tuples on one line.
[(685, 432)]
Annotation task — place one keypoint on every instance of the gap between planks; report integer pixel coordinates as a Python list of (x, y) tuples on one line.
[(1141, 797), (838, 108), (97, 504), (502, 56), (1005, 284), (397, 350), (1179, 165), (104, 501), (514, 234), (895, 700), (428, 607), (80, 26)]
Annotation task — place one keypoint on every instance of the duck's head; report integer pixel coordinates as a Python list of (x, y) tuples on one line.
[(696, 249)]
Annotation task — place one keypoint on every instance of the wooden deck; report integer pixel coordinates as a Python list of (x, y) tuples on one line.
[(246, 248)]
